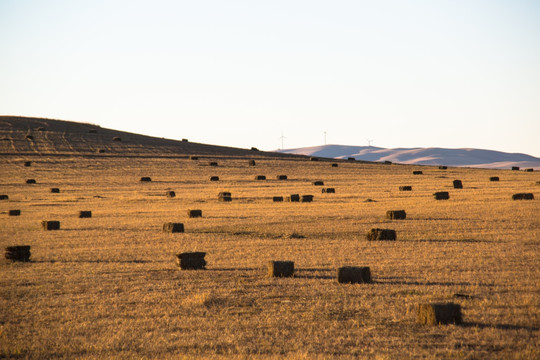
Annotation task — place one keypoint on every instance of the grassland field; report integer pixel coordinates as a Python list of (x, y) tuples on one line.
[(108, 286)]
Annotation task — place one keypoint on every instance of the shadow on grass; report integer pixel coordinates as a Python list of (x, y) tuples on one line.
[(97, 261), (426, 283), (499, 326)]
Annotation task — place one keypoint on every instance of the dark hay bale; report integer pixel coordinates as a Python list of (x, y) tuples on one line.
[(280, 268), (18, 253), (214, 178), (381, 234), (225, 199), (116, 138), (529, 170), (224, 196), (307, 198), (515, 168), (27, 163), (351, 159), (329, 190), (29, 137), (293, 198), (313, 159), (193, 158), (443, 167), (213, 163), (441, 195), (396, 214), (185, 140), (194, 213), (387, 162), (55, 190), (85, 214), (281, 177), (92, 131), (354, 275), (254, 149), (171, 194), (435, 314), (405, 188), (251, 163), (318, 183), (494, 178), (14, 212), (4, 197), (173, 227), (277, 199), (191, 260), (50, 225), (100, 151), (260, 177), (523, 196), (417, 172), (31, 181), (458, 184), (335, 165), (146, 179)]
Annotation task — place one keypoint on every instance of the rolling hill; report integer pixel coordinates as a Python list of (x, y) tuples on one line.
[(476, 158)]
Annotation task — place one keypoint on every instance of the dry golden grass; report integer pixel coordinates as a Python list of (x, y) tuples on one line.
[(108, 286)]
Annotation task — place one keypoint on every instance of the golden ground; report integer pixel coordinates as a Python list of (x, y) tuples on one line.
[(108, 286)]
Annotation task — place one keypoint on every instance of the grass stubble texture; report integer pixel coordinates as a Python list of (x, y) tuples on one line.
[(108, 286)]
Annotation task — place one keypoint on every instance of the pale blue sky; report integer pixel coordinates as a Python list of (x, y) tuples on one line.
[(238, 73)]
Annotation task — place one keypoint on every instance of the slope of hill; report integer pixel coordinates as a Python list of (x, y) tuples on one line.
[(477, 158), (37, 136)]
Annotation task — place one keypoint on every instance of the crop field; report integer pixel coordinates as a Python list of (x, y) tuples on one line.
[(108, 286)]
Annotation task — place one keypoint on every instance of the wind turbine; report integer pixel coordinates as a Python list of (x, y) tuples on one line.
[(369, 141), (282, 137)]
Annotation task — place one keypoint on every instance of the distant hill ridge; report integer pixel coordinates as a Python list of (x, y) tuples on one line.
[(476, 158)]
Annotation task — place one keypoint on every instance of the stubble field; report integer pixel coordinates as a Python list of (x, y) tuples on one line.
[(108, 286)]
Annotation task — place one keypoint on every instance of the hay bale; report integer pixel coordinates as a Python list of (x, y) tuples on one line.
[(515, 168), (193, 158), (494, 178), (4, 197), (458, 184), (100, 151), (251, 163), (443, 167), (55, 190), (281, 177), (328, 190), (396, 214), (18, 253), (351, 159), (405, 188), (354, 275), (191, 260), (14, 212), (194, 213), (173, 227), (254, 149), (31, 181), (441, 195), (313, 158), (260, 177), (213, 163), (307, 198), (293, 198), (171, 194), (318, 183), (277, 199), (529, 170), (387, 162), (27, 163), (214, 178), (523, 196), (146, 179), (116, 138), (185, 140), (29, 137), (225, 199), (335, 165), (280, 268), (85, 214), (417, 172), (50, 225), (435, 314), (381, 234), (224, 196)]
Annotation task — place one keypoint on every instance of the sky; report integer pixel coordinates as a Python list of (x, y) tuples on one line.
[(425, 73)]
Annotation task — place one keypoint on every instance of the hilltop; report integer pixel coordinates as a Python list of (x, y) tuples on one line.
[(477, 158)]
